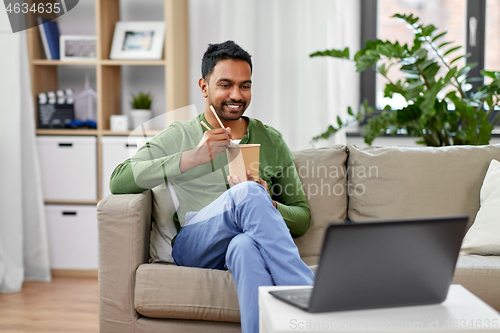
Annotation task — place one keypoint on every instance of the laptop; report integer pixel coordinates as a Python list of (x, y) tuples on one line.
[(382, 264)]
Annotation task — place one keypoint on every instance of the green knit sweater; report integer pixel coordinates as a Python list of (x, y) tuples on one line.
[(158, 162)]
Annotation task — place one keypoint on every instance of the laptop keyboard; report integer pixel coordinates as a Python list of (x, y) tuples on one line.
[(301, 297)]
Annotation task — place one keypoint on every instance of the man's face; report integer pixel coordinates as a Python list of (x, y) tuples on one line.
[(230, 88)]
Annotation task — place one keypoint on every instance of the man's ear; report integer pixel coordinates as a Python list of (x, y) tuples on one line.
[(204, 87)]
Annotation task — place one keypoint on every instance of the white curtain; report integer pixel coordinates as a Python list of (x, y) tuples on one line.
[(298, 95), (23, 236)]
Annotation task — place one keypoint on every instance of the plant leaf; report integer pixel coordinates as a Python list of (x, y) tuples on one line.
[(444, 44), (457, 58), (342, 54), (339, 121), (450, 74), (451, 50), (491, 74), (464, 71), (438, 36), (330, 131), (428, 30)]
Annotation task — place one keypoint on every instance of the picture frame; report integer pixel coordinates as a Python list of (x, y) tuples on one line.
[(138, 40), (77, 48)]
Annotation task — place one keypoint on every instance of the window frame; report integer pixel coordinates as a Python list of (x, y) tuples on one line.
[(475, 9)]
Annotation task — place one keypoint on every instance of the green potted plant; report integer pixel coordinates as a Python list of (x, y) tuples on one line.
[(141, 110), (440, 108)]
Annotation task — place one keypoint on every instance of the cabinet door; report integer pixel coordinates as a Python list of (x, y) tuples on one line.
[(72, 233), (115, 150), (69, 167)]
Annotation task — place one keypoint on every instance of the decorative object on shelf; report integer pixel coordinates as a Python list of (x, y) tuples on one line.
[(77, 48), (54, 112), (88, 98), (141, 113), (79, 124), (141, 117), (138, 40), (142, 101), (70, 99), (49, 33), (440, 108), (118, 123)]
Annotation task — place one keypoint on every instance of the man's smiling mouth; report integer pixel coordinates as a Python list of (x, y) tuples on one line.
[(234, 107)]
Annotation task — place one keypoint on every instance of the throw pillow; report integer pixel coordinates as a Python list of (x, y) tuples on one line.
[(483, 236), (163, 227)]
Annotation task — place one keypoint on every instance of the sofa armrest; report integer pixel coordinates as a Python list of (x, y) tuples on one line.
[(124, 224)]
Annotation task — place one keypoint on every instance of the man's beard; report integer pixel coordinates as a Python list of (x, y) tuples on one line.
[(219, 109)]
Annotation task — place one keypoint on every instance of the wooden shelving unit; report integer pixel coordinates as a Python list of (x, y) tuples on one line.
[(111, 133), (45, 62), (66, 132), (175, 63), (134, 62), (68, 202)]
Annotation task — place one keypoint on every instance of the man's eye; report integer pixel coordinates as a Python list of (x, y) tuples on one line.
[(247, 87), (224, 85)]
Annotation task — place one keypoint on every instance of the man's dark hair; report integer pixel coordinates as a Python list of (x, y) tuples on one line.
[(222, 51)]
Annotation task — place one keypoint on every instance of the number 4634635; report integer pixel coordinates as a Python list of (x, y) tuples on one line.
[(478, 323), (34, 8)]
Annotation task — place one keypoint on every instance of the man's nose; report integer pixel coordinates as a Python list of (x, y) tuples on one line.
[(235, 94)]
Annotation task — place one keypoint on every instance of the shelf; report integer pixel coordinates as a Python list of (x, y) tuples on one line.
[(112, 133), (106, 62), (91, 132), (133, 62), (44, 62), (63, 202), (66, 132)]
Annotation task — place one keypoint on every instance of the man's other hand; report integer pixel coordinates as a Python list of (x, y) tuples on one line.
[(233, 180)]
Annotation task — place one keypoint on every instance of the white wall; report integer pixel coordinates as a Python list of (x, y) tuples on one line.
[(292, 92)]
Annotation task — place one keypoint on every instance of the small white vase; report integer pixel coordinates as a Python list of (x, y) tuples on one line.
[(141, 117)]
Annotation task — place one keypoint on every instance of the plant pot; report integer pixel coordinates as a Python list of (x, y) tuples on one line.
[(141, 117)]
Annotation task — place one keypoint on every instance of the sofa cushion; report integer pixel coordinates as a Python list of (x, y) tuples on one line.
[(399, 182), (169, 291), (481, 275), (483, 236), (163, 229), (323, 176)]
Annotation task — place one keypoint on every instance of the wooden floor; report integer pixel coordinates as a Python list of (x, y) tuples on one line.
[(63, 305)]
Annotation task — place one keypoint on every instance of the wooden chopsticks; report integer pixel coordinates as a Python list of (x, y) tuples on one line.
[(216, 116), (231, 143), (205, 125)]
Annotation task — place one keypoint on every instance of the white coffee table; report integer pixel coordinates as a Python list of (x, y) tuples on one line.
[(461, 312)]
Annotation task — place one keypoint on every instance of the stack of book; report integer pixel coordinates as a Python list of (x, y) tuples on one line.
[(49, 33)]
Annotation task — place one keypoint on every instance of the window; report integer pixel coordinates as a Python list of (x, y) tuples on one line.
[(445, 15), (473, 24), (492, 43)]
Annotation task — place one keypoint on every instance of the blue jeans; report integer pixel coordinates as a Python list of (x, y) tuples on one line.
[(243, 232)]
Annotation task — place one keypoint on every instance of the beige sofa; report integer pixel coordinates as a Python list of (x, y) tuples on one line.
[(340, 182)]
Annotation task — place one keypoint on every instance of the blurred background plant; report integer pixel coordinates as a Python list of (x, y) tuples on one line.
[(440, 108), (142, 101)]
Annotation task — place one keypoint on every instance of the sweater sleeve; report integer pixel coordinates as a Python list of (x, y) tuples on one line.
[(148, 168), (291, 201)]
